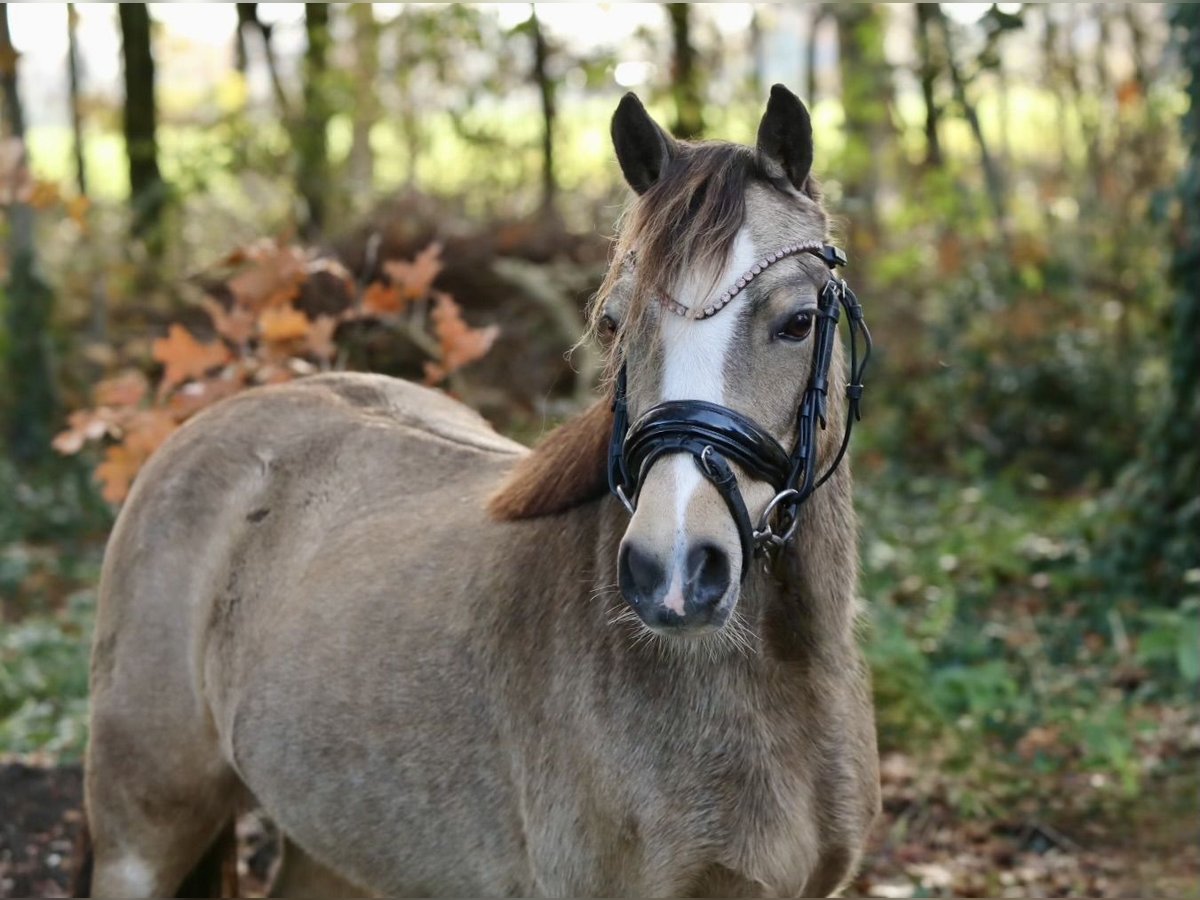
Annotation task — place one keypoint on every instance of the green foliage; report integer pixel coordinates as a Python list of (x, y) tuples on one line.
[(995, 646), (44, 681), (1156, 546)]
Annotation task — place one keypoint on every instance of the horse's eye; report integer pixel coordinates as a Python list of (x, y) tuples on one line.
[(798, 327), (607, 326)]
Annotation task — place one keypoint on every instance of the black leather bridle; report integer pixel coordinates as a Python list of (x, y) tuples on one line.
[(715, 435)]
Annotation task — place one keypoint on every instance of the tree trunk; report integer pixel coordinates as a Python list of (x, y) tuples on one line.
[(147, 192), (867, 92), (73, 84), (991, 174), (361, 164), (685, 76), (311, 139), (33, 400), (545, 85), (927, 73)]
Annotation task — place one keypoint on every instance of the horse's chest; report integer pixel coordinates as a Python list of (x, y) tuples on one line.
[(740, 812)]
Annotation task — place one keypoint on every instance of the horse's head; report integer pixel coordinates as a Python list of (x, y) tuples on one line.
[(720, 314)]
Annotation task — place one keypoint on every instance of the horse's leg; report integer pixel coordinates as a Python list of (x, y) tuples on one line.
[(159, 793), (301, 876), (157, 814)]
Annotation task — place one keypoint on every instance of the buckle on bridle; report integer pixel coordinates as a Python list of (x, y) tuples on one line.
[(765, 538)]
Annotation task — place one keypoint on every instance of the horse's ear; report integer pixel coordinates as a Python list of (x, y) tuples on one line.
[(643, 149), (785, 140), (565, 469)]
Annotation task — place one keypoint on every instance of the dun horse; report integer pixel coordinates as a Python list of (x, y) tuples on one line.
[(445, 664)]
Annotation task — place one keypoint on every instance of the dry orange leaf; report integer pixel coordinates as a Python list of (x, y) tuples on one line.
[(272, 278), (460, 344), (117, 472), (126, 389), (283, 324), (413, 280), (236, 325), (148, 429), (382, 299), (196, 395), (85, 425), (185, 357), (319, 340)]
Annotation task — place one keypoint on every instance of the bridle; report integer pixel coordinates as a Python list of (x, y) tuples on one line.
[(715, 434)]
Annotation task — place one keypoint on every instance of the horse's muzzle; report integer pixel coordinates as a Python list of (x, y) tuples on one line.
[(682, 598)]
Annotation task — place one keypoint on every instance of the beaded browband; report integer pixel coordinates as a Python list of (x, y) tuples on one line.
[(830, 254)]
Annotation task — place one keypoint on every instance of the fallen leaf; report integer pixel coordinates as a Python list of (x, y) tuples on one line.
[(236, 324), (319, 340), (185, 357), (126, 389), (272, 277), (283, 324), (382, 299), (196, 395), (414, 279), (459, 343), (85, 425), (117, 472)]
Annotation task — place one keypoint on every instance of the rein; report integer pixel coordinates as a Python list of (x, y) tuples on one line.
[(714, 435)]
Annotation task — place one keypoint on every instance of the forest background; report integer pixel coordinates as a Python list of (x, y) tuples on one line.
[(198, 199)]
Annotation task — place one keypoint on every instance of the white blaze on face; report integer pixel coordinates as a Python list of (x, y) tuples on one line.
[(694, 355)]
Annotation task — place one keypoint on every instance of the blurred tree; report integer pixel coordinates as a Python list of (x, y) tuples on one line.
[(868, 95), (927, 72), (817, 15), (361, 163), (147, 191), (1161, 540), (33, 407), (991, 172), (73, 85), (685, 75), (248, 21), (545, 85), (311, 138)]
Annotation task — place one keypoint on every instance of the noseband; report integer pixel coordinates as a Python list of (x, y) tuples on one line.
[(716, 435)]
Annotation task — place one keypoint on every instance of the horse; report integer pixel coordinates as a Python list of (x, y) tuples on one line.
[(621, 663)]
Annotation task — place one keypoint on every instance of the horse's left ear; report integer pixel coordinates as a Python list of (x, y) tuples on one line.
[(785, 140)]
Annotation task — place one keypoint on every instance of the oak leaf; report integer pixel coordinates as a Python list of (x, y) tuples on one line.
[(126, 389), (415, 279), (185, 358), (273, 276), (85, 425), (117, 471), (196, 395), (283, 324), (382, 299), (319, 340), (236, 324), (459, 344)]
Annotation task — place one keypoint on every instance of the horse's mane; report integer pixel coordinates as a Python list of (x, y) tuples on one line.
[(689, 218)]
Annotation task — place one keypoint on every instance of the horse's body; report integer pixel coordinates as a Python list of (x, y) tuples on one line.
[(305, 602)]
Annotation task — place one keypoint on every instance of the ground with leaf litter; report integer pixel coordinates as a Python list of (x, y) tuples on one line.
[(921, 847)]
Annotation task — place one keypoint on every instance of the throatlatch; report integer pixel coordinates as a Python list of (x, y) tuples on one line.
[(715, 435)]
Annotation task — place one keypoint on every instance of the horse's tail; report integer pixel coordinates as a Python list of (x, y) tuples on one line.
[(84, 858), (215, 875)]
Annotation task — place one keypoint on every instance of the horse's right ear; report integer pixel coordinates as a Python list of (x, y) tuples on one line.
[(643, 149)]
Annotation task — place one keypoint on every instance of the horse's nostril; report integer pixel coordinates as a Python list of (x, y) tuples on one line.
[(707, 576), (641, 577)]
